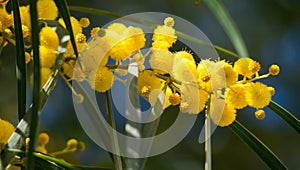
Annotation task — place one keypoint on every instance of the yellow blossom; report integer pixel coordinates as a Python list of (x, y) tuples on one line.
[(161, 61), (25, 15), (260, 114), (75, 25), (43, 138), (101, 80), (27, 57), (47, 56), (94, 31), (47, 9), (246, 67), (184, 67), (221, 113), (174, 99), (274, 69), (191, 101), (26, 31), (236, 96), (49, 38), (148, 83), (230, 75), (84, 22), (258, 95), (45, 74), (164, 36), (6, 131)]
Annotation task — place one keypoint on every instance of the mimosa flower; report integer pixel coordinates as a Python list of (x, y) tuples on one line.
[(236, 96), (161, 61), (274, 70), (258, 95), (184, 67), (101, 80), (221, 113), (47, 56), (164, 36), (47, 9), (49, 38)]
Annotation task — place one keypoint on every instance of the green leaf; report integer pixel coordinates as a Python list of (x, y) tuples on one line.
[(36, 82), (230, 28), (65, 13), (257, 146), (21, 65), (285, 115)]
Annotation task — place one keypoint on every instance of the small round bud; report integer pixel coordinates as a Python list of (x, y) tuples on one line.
[(72, 144), (260, 114), (254, 66), (79, 98), (80, 38), (174, 99), (94, 31), (169, 21), (84, 22), (43, 138), (274, 69)]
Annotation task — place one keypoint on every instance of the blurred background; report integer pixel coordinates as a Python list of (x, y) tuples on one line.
[(271, 31)]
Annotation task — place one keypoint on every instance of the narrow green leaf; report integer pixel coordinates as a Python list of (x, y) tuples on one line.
[(285, 115), (36, 82), (230, 28), (257, 146), (65, 13), (21, 65), (179, 34)]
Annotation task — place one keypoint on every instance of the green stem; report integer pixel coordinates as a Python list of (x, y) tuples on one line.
[(207, 147), (111, 120)]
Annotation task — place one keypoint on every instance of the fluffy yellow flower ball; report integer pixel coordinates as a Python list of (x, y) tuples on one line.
[(164, 36), (191, 101), (161, 61), (221, 113), (76, 26), (246, 67), (236, 96), (260, 114), (258, 95), (49, 38), (25, 15), (184, 67), (84, 22), (230, 75), (274, 69), (6, 131), (45, 75), (47, 9), (102, 79), (148, 83), (47, 56)]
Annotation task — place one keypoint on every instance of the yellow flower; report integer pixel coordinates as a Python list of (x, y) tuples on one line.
[(260, 114), (246, 67), (80, 41), (49, 38), (84, 22), (191, 102), (212, 75), (221, 113), (174, 99), (43, 139), (75, 25), (6, 131), (47, 56), (164, 36), (230, 75), (258, 95), (122, 42), (236, 96), (25, 15), (94, 31), (274, 69), (149, 85), (184, 67), (47, 9), (45, 74), (102, 79), (27, 57), (161, 61)]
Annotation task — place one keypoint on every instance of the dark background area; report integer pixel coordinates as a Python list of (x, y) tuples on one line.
[(271, 31)]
